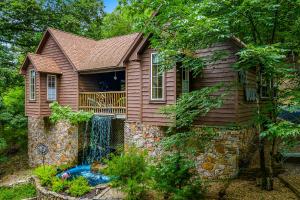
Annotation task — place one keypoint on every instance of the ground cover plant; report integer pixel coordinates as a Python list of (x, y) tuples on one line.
[(17, 192), (75, 187)]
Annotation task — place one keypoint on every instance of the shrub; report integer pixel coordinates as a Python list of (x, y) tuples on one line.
[(45, 174), (78, 187), (18, 192), (176, 177), (59, 112), (58, 184), (3, 146), (129, 171)]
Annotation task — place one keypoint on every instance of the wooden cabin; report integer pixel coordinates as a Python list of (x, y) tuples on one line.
[(119, 76)]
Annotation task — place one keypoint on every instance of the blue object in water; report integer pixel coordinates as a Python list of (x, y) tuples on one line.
[(85, 171)]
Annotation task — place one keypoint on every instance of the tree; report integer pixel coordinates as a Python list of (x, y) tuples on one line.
[(269, 28), (22, 23), (119, 22)]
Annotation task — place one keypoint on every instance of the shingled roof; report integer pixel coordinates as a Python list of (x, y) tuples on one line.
[(85, 54), (88, 54), (42, 64)]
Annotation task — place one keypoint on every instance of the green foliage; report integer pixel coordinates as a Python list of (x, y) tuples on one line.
[(58, 184), (117, 23), (192, 105), (192, 142), (270, 58), (45, 174), (22, 27), (129, 172), (282, 129), (59, 112), (18, 192), (78, 187), (3, 146), (176, 177)]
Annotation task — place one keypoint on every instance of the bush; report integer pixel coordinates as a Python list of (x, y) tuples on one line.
[(3, 147), (45, 174), (78, 187), (59, 112), (18, 192), (58, 184), (129, 171), (176, 177)]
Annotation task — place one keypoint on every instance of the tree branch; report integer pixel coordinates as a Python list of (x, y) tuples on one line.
[(254, 29), (275, 24)]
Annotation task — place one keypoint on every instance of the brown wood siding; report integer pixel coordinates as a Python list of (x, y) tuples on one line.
[(219, 72), (68, 81), (32, 108), (88, 83), (133, 88), (246, 110), (151, 110), (233, 111)]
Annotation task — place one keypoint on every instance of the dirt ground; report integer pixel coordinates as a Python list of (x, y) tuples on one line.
[(247, 190), (14, 169)]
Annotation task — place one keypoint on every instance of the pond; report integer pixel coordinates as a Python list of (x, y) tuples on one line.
[(93, 178)]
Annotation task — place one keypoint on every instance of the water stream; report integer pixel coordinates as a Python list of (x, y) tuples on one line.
[(96, 144)]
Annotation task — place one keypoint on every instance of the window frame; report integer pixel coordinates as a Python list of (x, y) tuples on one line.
[(32, 91), (267, 84), (55, 78), (185, 73), (151, 82)]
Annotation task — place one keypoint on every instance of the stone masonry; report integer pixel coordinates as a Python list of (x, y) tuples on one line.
[(60, 138), (219, 161)]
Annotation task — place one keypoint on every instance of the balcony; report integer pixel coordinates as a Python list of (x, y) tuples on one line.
[(104, 103)]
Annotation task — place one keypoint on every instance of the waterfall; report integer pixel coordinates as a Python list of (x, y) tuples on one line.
[(97, 144)]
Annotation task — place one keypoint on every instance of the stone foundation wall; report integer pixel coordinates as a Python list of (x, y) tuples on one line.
[(60, 138), (220, 160), (143, 136)]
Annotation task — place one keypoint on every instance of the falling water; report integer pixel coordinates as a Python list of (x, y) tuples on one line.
[(97, 145)]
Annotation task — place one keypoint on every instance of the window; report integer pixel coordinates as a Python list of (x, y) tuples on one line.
[(185, 80), (51, 87), (265, 87), (32, 85), (157, 79)]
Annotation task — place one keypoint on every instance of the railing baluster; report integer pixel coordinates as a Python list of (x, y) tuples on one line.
[(103, 102)]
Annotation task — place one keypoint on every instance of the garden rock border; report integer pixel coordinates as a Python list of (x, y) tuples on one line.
[(105, 194)]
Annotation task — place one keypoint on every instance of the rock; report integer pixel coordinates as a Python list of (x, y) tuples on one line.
[(220, 148), (207, 166), (96, 167)]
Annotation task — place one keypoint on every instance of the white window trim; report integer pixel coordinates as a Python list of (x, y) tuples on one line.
[(48, 75), (30, 84), (163, 83)]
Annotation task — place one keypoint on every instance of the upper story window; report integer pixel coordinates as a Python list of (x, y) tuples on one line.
[(32, 85), (185, 80), (51, 88), (265, 87), (157, 79)]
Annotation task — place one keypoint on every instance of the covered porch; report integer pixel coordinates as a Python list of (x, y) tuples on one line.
[(103, 93)]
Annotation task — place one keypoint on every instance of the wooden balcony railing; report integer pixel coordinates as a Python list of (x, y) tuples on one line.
[(103, 102)]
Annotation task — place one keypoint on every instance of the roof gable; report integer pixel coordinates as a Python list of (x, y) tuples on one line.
[(41, 63), (87, 54)]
